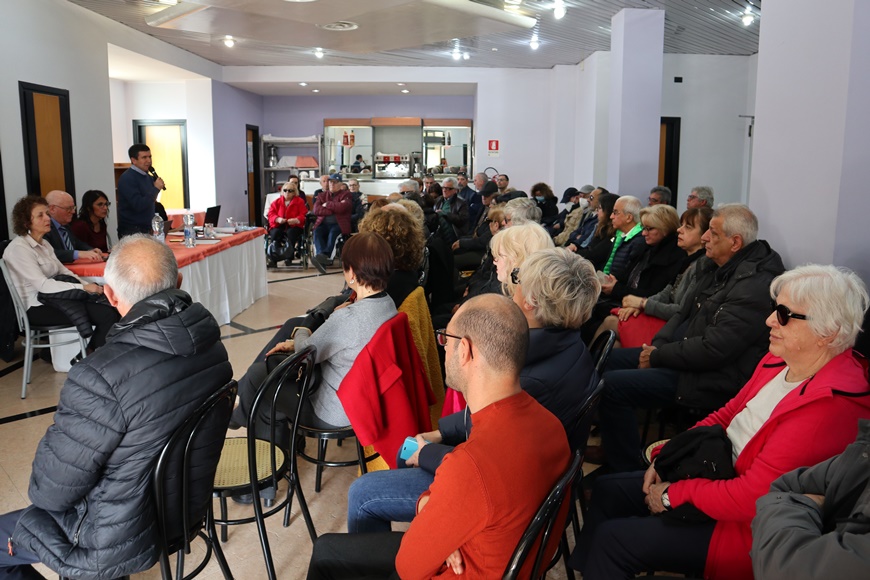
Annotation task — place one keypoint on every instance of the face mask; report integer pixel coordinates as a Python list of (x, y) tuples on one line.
[(539, 198)]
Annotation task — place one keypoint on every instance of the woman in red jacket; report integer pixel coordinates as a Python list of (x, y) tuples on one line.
[(800, 407)]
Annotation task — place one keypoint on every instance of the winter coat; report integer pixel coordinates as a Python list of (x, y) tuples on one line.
[(719, 335), (652, 270), (338, 204), (92, 514)]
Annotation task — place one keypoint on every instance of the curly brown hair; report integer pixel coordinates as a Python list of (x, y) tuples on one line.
[(402, 231), (22, 212)]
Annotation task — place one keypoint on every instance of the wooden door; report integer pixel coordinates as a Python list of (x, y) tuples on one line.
[(45, 121), (168, 143)]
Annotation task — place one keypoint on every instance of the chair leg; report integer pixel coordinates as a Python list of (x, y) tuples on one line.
[(216, 545), (569, 572), (303, 505), (321, 456), (363, 466), (179, 564), (28, 362), (223, 502)]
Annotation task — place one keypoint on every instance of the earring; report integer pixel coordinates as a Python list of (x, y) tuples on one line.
[(352, 281)]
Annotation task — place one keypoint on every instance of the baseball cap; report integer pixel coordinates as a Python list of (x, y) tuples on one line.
[(587, 189), (335, 177)]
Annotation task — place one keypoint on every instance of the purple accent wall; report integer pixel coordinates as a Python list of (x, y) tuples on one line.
[(303, 116), (232, 109)]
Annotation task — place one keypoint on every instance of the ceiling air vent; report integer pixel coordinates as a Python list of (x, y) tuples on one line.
[(340, 26)]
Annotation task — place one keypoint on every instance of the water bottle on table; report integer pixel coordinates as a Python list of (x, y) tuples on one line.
[(189, 232), (157, 228)]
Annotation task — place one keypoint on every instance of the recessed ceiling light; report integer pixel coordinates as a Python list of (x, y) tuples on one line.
[(228, 41), (534, 43), (401, 84), (303, 84), (340, 26), (456, 54), (405, 91), (748, 17), (494, 49), (315, 90), (318, 52), (559, 10), (465, 56)]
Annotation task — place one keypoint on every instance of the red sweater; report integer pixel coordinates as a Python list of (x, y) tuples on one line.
[(295, 209), (336, 204), (814, 422), (486, 491)]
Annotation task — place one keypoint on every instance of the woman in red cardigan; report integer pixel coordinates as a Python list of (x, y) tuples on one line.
[(800, 407)]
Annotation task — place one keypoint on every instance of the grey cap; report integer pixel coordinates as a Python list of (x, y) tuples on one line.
[(587, 189)]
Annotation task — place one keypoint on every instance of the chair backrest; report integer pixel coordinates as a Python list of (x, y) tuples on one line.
[(183, 477), (601, 348), (212, 215), (540, 529), (579, 434), (20, 310)]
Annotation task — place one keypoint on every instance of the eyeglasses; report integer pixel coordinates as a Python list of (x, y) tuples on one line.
[(648, 229), (448, 188), (441, 335), (784, 313), (616, 212), (515, 276), (692, 196), (103, 204), (287, 190)]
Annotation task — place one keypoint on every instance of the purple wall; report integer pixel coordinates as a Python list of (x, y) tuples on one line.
[(303, 116), (232, 109)]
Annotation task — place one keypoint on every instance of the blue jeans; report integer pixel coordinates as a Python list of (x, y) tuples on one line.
[(627, 388), (380, 497), (324, 237)]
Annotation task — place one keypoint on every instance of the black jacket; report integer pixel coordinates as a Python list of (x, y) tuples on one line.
[(456, 217), (718, 337), (656, 267), (64, 255), (92, 514)]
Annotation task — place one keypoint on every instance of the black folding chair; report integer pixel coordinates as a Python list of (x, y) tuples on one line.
[(541, 528), (601, 349), (182, 485)]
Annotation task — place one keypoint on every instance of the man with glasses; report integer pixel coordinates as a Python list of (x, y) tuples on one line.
[(701, 196), (659, 195), (358, 210), (286, 223), (452, 212), (581, 236), (707, 351), (487, 490), (67, 247)]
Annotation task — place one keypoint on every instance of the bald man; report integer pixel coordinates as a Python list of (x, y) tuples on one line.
[(67, 247)]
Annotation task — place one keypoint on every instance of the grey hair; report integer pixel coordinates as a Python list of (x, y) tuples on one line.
[(140, 266), (704, 193), (414, 209), (410, 184), (561, 287), (738, 219), (631, 206), (521, 210), (835, 300), (664, 191), (452, 180)]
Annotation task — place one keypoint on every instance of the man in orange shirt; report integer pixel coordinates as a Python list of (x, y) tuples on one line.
[(488, 489)]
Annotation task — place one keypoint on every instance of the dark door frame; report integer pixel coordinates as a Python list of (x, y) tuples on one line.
[(4, 227), (28, 130), (139, 137), (672, 155), (258, 194)]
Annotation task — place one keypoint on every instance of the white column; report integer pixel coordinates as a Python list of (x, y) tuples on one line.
[(636, 45), (810, 162)]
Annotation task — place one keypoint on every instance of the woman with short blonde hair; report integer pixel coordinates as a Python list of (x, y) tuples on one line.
[(511, 246)]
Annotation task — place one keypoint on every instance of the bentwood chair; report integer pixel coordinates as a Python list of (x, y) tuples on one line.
[(36, 335), (182, 485), (540, 530)]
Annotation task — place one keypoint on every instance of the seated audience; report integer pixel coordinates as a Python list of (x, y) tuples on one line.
[(801, 406), (51, 293), (512, 246), (704, 353), (813, 524), (368, 262), (333, 209), (403, 232), (451, 211), (601, 243), (555, 291), (546, 200), (90, 227), (659, 195), (469, 250), (586, 223), (573, 199), (286, 223), (67, 247), (484, 496), (92, 514), (639, 318)]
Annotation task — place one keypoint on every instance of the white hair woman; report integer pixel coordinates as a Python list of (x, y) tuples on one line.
[(801, 406)]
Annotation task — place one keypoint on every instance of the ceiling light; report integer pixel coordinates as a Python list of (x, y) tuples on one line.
[(559, 10), (456, 54), (513, 2), (315, 90), (533, 43), (228, 41), (405, 91), (303, 84), (748, 17), (401, 84), (318, 52), (465, 56), (494, 49)]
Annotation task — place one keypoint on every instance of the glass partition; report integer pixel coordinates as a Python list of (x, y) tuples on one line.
[(343, 144), (447, 149)]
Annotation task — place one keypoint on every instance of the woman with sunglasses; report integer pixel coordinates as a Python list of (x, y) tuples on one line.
[(801, 407), (90, 227)]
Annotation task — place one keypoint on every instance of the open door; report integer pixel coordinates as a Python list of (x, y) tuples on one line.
[(252, 156), (669, 155), (168, 143)]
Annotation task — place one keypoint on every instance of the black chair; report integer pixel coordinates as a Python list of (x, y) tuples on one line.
[(541, 528), (182, 485), (601, 349), (580, 434), (249, 464)]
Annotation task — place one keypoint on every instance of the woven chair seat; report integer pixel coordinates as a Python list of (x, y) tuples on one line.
[(647, 452), (232, 471)]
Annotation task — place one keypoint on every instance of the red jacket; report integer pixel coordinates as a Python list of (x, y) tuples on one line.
[(386, 395), (338, 204), (814, 422), (295, 209)]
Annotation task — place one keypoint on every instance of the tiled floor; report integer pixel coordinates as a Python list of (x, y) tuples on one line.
[(290, 293)]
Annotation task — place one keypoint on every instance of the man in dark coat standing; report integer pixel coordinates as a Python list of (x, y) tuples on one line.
[(92, 514)]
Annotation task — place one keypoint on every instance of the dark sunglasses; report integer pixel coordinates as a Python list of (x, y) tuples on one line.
[(515, 276), (783, 314)]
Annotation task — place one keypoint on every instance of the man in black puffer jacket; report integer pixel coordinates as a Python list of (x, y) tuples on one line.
[(92, 514)]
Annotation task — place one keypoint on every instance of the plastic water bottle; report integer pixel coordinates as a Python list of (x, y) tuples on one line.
[(157, 228), (189, 232)]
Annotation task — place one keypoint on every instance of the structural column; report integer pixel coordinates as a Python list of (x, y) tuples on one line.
[(636, 46), (811, 156)]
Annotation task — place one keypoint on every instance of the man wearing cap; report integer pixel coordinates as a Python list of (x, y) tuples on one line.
[(581, 235), (333, 209), (575, 206)]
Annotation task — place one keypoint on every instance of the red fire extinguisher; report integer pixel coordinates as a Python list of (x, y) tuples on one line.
[(345, 140)]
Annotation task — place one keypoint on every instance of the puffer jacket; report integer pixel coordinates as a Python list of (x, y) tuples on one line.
[(719, 335), (92, 514)]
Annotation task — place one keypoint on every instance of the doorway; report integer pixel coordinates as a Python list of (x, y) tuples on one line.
[(167, 140), (669, 155), (252, 160), (45, 124)]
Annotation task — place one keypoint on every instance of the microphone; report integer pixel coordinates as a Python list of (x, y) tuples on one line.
[(153, 172)]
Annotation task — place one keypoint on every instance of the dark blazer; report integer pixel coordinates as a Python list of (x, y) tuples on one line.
[(64, 255)]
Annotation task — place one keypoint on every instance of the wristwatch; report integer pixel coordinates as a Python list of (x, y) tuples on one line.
[(666, 501)]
